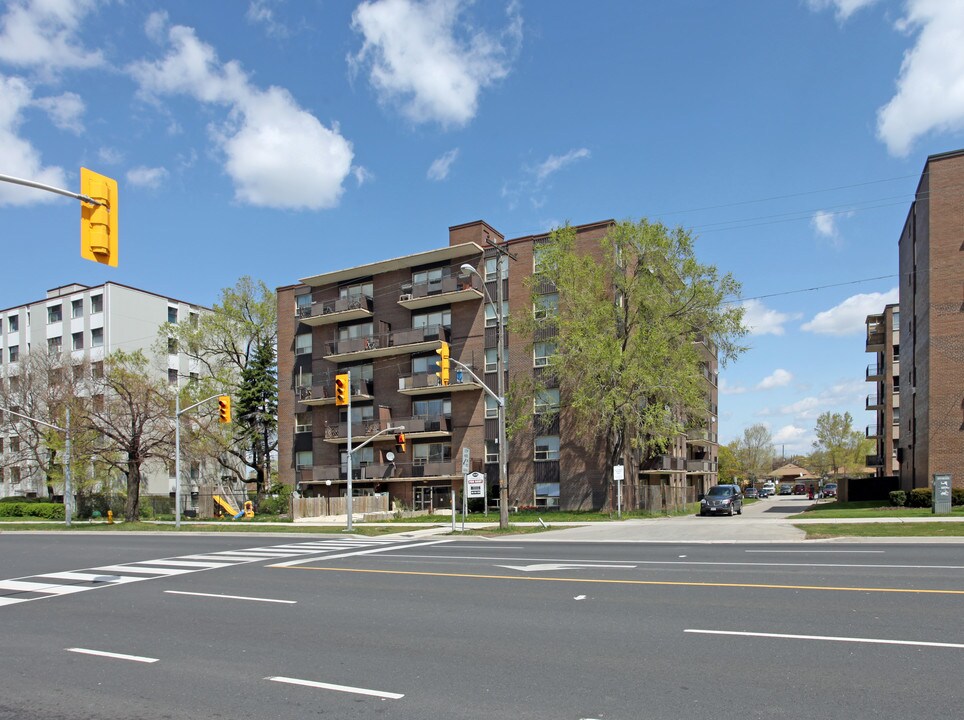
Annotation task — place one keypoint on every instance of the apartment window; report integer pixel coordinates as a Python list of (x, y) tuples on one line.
[(14, 474), (97, 370), (15, 384), (360, 330), (76, 308), (431, 453), (547, 494), (491, 267), (424, 277), (78, 373), (171, 346), (303, 379), (423, 364), (541, 352), (96, 304), (193, 378), (13, 323), (172, 376), (303, 344), (491, 451), (13, 353), (492, 360), (546, 306), (538, 253), (546, 400), (195, 470), (303, 305), (359, 414), (172, 314), (15, 444), (55, 345), (432, 408), (97, 337), (360, 458), (491, 407), (98, 403), (303, 422), (896, 416), (77, 341), (55, 313), (547, 447), (304, 459), (490, 314), (432, 319), (349, 292)]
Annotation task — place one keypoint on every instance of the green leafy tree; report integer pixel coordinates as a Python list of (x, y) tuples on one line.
[(754, 451), (631, 331), (837, 438), (256, 411), (728, 469)]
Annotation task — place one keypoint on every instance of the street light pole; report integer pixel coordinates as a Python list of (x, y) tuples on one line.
[(500, 387)]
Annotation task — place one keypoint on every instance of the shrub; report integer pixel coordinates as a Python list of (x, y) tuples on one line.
[(45, 510), (957, 496), (898, 498), (920, 497), (11, 509), (22, 499)]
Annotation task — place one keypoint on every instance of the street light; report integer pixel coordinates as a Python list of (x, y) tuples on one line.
[(500, 369)]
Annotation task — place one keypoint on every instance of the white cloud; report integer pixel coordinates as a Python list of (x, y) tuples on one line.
[(849, 317), (44, 34), (17, 156), (417, 57), (727, 389), (110, 156), (362, 174), (277, 154), (761, 320), (261, 12), (844, 8), (789, 434), (823, 223), (554, 163), (64, 110), (439, 169), (146, 177), (778, 378), (930, 89)]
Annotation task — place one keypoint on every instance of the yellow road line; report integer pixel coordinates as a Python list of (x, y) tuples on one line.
[(755, 586)]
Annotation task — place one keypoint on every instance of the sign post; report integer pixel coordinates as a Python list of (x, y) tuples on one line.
[(619, 473), (941, 496), (475, 487)]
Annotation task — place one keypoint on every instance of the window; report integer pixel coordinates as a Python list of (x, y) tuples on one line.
[(359, 414), (491, 407), (360, 458), (424, 277), (547, 494), (76, 308), (432, 319), (97, 337), (97, 370), (55, 345), (96, 304), (14, 444), (349, 292), (491, 451), (432, 408), (98, 403), (492, 359), (195, 470), (490, 269), (77, 341), (13, 353), (303, 379), (303, 305), (304, 459), (541, 352), (431, 453), (14, 474), (896, 416), (546, 306), (13, 323), (350, 332), (538, 253), (78, 373), (172, 314), (55, 313), (547, 447), (192, 318), (303, 422), (546, 400), (424, 364), (172, 376), (303, 344), (490, 315), (171, 346)]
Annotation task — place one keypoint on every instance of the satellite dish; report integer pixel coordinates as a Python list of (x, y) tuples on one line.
[(328, 482), (390, 456)]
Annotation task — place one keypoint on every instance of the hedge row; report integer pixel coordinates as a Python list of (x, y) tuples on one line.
[(923, 497), (46, 510)]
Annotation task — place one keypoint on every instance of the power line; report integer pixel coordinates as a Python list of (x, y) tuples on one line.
[(811, 289)]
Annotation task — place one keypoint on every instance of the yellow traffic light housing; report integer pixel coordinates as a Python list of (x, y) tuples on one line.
[(342, 391), (98, 223), (224, 408), (443, 363), (400, 442)]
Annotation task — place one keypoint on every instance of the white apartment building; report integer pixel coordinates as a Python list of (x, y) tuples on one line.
[(90, 322)]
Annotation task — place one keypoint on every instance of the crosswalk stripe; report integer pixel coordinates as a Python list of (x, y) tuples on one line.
[(11, 601), (36, 587), (184, 563), (88, 577), (156, 571)]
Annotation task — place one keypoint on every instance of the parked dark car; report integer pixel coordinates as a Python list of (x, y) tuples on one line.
[(799, 489), (752, 492), (830, 490), (786, 490), (722, 500)]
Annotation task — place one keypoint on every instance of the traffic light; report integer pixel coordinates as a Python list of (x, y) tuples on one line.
[(400, 442), (224, 408), (342, 391), (98, 223), (443, 363)]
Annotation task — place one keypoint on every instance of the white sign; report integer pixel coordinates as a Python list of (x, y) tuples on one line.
[(465, 461), (619, 472), (475, 485)]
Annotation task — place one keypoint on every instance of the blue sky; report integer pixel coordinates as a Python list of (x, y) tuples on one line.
[(284, 139)]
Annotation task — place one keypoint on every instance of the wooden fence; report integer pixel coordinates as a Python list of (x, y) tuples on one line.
[(665, 498), (314, 507)]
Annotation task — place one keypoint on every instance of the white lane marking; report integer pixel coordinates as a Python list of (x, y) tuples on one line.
[(90, 577), (874, 641), (559, 566), (292, 563), (230, 597), (813, 552), (689, 562), (116, 656), (579, 597), (12, 601), (155, 571), (190, 564), (221, 559), (53, 589), (339, 688)]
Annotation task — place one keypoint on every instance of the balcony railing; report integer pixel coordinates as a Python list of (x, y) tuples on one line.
[(333, 311), (700, 466), (701, 436), (448, 289), (872, 431), (409, 471), (875, 461), (662, 463), (873, 402), (874, 371), (323, 393), (391, 343)]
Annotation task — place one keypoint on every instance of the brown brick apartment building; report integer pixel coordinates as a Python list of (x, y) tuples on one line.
[(383, 322), (883, 339), (931, 322)]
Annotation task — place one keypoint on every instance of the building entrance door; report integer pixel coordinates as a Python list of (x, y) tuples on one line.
[(432, 497)]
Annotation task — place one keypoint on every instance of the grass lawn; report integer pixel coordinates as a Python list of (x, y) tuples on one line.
[(511, 530), (84, 526), (883, 530), (867, 509)]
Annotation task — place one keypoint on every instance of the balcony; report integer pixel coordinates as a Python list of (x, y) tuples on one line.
[(414, 471), (875, 461), (873, 402), (335, 311), (424, 427), (324, 394), (662, 464), (700, 466), (876, 333), (874, 372), (872, 432), (416, 428), (430, 383), (446, 290), (701, 436), (400, 342)]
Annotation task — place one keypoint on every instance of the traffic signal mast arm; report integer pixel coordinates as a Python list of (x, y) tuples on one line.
[(191, 407), (380, 432), (485, 387), (49, 188)]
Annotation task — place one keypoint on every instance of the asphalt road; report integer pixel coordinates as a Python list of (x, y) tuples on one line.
[(282, 627)]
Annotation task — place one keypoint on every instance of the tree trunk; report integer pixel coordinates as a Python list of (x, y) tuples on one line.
[(133, 507)]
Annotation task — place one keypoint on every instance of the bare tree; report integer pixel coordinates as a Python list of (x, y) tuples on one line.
[(754, 451)]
